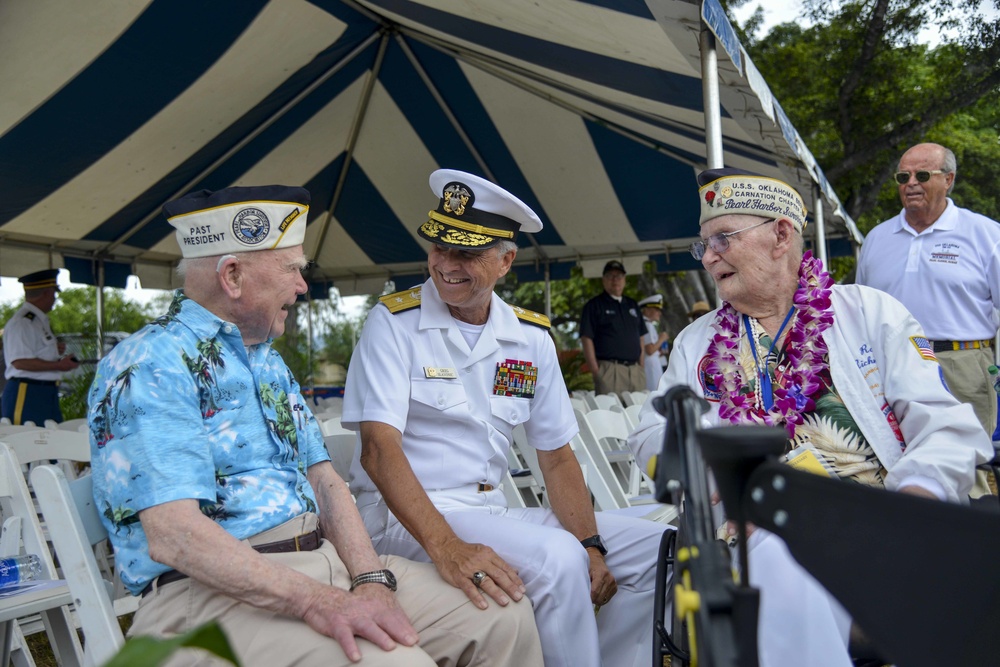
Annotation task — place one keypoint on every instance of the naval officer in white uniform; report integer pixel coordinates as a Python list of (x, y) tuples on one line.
[(440, 378)]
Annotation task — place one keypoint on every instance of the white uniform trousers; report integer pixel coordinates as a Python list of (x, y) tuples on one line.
[(800, 622), (555, 570)]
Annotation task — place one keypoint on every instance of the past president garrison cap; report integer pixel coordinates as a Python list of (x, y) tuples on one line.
[(737, 192), (239, 219), (474, 213), (40, 279)]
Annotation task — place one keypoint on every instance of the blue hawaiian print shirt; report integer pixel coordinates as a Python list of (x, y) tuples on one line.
[(182, 410)]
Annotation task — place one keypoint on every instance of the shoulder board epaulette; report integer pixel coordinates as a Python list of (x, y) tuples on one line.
[(531, 317), (30, 315), (400, 301)]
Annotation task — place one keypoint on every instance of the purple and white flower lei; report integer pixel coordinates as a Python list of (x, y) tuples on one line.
[(806, 355)]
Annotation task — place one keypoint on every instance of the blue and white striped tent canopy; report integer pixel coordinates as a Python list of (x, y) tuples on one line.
[(590, 111)]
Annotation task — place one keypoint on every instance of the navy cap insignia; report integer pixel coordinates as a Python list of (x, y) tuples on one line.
[(456, 197)]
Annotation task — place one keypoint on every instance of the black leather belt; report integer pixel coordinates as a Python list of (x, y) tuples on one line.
[(620, 362), (952, 345), (306, 542), (44, 383)]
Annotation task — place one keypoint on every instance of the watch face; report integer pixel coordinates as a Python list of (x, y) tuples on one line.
[(390, 579)]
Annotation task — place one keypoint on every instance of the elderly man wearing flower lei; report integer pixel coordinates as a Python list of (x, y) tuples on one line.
[(844, 368)]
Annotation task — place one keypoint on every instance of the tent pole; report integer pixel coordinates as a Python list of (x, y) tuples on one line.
[(710, 95), (548, 292), (100, 309), (820, 225), (309, 346)]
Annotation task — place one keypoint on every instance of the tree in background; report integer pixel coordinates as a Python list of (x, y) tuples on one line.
[(861, 89), (74, 320)]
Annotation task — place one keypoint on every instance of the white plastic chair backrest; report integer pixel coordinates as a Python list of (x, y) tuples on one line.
[(579, 404), (331, 426), (607, 424), (342, 448), (608, 401), (632, 416), (44, 444), (79, 424), (634, 397), (75, 526)]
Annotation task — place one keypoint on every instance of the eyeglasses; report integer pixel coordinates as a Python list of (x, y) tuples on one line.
[(718, 242), (903, 177)]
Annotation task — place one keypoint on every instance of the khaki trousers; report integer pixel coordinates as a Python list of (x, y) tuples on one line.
[(452, 630), (612, 378), (969, 380)]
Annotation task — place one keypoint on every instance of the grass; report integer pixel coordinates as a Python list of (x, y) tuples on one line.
[(41, 650)]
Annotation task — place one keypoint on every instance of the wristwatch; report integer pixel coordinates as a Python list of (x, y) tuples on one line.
[(384, 577), (596, 542)]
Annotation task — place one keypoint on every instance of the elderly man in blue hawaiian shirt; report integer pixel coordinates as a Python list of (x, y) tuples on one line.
[(217, 490)]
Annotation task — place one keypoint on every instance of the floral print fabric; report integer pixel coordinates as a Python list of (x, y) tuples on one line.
[(182, 410)]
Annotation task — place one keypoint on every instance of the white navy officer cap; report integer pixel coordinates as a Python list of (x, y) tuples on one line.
[(655, 301), (474, 213), (239, 219)]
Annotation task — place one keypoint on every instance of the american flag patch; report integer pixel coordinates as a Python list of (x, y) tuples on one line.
[(924, 347)]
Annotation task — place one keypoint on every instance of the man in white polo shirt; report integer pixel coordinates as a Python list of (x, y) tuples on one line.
[(941, 262)]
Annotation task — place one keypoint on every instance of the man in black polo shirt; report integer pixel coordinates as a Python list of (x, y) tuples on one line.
[(611, 331)]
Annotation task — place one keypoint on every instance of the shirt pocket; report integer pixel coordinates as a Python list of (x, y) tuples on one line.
[(439, 408), (510, 410)]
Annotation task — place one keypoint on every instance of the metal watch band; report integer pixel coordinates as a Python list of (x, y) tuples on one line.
[(384, 577)]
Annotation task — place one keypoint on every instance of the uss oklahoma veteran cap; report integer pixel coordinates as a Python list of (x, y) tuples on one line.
[(737, 192), (474, 213), (239, 219)]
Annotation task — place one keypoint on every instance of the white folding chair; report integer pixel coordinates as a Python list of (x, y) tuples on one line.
[(608, 402), (78, 424), (579, 403), (21, 527), (634, 397), (49, 444), (603, 434), (332, 426), (528, 454), (631, 413), (75, 527), (341, 447)]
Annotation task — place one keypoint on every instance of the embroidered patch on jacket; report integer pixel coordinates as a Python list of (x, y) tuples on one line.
[(708, 387), (924, 347), (515, 378)]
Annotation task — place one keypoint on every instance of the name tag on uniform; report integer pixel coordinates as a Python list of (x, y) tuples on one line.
[(443, 373)]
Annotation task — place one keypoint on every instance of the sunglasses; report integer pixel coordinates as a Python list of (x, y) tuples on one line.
[(719, 243), (903, 177)]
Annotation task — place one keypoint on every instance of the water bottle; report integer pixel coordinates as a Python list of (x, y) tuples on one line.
[(16, 569)]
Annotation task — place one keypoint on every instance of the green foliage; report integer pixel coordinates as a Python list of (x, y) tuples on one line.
[(150, 651), (860, 89), (76, 312)]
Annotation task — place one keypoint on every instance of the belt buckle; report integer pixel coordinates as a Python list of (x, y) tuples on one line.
[(297, 546)]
